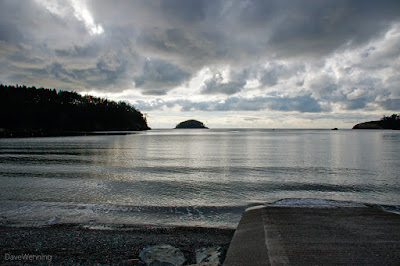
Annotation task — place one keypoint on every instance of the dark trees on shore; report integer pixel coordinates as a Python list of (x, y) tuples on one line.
[(29, 109), (386, 122), (391, 122)]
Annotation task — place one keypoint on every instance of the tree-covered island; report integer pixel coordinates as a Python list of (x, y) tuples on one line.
[(386, 122), (28, 111), (191, 124)]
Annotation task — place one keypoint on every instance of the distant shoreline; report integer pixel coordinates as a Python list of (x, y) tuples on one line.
[(370, 125), (386, 122), (32, 112), (44, 133)]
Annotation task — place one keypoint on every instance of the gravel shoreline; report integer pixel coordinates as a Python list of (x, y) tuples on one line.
[(74, 244)]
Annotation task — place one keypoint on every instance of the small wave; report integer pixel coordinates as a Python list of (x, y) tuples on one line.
[(186, 210), (314, 202), (388, 208), (54, 220), (325, 202), (38, 214)]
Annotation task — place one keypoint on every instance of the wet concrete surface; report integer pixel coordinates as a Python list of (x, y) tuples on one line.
[(316, 235)]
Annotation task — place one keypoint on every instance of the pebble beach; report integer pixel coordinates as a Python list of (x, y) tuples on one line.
[(74, 244)]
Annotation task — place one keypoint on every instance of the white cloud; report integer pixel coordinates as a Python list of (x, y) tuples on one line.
[(83, 14), (77, 8)]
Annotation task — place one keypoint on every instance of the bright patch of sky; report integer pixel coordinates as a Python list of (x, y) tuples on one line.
[(76, 8)]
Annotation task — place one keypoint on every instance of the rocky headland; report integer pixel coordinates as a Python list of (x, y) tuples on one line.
[(386, 122)]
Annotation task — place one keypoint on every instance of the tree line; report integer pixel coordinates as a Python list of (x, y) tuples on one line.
[(28, 109), (390, 122)]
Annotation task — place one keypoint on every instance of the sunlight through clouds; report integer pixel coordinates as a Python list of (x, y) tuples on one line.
[(83, 14), (76, 7)]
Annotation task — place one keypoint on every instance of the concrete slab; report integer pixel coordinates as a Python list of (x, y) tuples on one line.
[(311, 235)]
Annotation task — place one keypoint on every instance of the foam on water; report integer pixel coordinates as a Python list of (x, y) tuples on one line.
[(315, 202), (109, 217), (22, 213), (388, 208)]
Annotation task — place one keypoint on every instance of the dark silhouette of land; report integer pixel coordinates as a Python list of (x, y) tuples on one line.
[(386, 122), (191, 124), (27, 111)]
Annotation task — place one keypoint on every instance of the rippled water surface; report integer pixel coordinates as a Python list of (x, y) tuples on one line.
[(191, 177)]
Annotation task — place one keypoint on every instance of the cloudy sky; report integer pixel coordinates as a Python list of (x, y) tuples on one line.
[(265, 64)]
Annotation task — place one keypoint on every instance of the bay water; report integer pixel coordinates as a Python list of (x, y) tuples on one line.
[(193, 177)]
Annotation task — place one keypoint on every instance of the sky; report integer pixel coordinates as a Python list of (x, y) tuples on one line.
[(229, 64)]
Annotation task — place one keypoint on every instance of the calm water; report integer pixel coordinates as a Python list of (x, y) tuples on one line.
[(191, 177)]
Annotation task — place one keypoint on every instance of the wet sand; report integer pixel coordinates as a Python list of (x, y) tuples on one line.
[(73, 244)]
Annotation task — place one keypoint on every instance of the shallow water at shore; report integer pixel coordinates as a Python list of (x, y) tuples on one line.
[(191, 177)]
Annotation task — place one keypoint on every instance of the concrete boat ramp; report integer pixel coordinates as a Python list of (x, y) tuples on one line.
[(328, 232)]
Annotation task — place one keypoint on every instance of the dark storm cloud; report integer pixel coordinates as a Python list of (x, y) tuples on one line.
[(78, 51), (315, 50), (273, 72), (318, 27), (60, 72), (391, 104), (192, 50), (185, 11), (303, 104), (14, 17), (262, 28), (9, 32), (355, 104), (215, 85), (158, 76)]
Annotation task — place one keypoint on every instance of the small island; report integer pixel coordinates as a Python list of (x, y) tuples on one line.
[(191, 124), (386, 122)]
